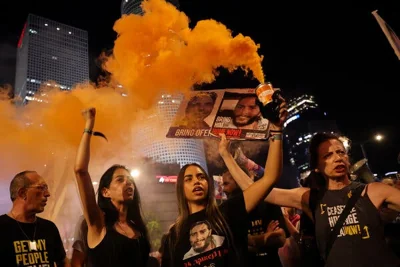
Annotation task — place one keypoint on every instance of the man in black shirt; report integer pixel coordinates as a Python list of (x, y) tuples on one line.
[(27, 240)]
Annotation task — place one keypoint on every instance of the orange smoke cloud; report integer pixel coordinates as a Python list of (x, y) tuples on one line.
[(159, 50), (153, 53)]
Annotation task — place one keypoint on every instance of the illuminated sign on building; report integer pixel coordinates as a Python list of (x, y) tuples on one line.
[(165, 179), (22, 36)]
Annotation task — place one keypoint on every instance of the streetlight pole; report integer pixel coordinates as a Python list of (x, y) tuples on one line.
[(363, 151), (377, 137)]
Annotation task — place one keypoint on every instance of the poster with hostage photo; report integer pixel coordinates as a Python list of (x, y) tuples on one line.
[(196, 115), (206, 247), (239, 117), (230, 111)]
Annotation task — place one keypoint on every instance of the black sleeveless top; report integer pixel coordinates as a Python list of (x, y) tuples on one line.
[(117, 250), (361, 240)]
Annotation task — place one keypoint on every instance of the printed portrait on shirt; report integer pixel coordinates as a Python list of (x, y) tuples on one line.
[(202, 239)]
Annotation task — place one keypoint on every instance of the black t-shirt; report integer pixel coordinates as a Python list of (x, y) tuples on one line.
[(118, 250), (361, 240), (37, 247), (199, 245), (259, 218)]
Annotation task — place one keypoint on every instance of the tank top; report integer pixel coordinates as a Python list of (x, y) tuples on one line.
[(361, 240), (118, 250)]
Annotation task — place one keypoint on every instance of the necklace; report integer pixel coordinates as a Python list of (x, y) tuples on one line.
[(32, 243)]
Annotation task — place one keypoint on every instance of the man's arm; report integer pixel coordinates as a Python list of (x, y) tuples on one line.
[(274, 238), (281, 232)]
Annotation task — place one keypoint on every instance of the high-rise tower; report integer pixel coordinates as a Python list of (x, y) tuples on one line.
[(50, 51)]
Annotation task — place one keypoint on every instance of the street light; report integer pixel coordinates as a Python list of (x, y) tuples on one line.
[(377, 137), (135, 173)]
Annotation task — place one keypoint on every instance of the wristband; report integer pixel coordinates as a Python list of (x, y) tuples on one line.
[(275, 131), (88, 131), (274, 137), (95, 133)]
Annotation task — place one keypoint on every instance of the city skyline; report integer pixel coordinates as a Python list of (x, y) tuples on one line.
[(305, 118), (338, 64)]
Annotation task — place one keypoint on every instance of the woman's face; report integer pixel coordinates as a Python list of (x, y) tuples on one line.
[(195, 184), (333, 161), (121, 188)]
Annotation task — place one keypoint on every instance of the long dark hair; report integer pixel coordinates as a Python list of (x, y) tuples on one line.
[(213, 214), (134, 214)]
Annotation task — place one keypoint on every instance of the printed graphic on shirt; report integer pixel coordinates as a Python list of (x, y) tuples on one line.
[(351, 225), (257, 227), (31, 253), (204, 244)]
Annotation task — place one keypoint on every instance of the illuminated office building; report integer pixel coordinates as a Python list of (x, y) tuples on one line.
[(49, 51), (304, 120)]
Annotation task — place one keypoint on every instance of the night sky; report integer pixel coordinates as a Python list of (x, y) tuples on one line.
[(332, 49)]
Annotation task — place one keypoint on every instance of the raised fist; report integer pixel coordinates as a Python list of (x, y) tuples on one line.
[(89, 114)]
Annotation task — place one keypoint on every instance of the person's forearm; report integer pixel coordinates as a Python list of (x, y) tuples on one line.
[(291, 228), (273, 168), (276, 239), (240, 177), (256, 241), (83, 155), (274, 165)]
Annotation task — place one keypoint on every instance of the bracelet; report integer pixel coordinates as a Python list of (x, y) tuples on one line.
[(274, 137), (88, 131), (95, 133), (276, 131)]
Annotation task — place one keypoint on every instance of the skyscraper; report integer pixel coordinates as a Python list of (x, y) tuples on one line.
[(168, 150), (152, 143), (304, 120), (134, 6), (50, 51)]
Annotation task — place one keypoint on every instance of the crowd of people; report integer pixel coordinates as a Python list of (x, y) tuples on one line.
[(329, 221)]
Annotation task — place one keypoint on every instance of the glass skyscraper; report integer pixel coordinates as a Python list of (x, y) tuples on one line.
[(49, 51), (304, 120), (168, 150)]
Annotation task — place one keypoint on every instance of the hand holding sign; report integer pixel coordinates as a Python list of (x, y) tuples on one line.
[(223, 147)]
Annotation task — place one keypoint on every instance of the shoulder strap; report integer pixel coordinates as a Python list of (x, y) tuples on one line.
[(355, 195), (315, 197)]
